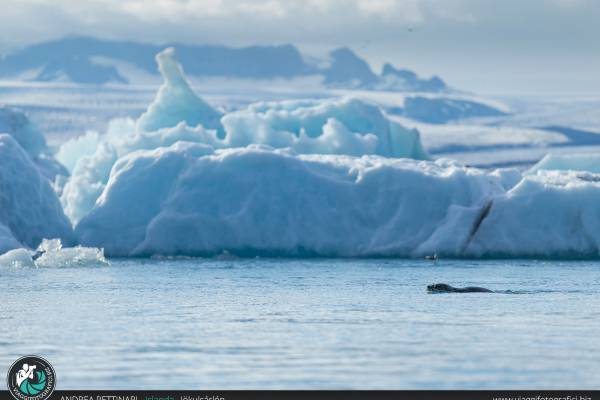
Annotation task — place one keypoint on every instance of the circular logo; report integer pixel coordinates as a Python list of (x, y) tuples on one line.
[(31, 378)]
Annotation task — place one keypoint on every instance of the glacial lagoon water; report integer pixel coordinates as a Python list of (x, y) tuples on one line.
[(306, 324)]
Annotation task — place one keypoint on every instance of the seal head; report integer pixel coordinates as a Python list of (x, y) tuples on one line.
[(440, 288)]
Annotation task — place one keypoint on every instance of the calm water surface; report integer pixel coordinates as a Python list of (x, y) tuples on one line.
[(202, 324)]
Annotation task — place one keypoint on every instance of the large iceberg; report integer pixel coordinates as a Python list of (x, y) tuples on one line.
[(29, 209), (189, 199), (329, 126), (328, 177), (193, 200)]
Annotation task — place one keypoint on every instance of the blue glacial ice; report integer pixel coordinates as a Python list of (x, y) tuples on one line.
[(547, 214), (176, 101), (16, 124), (259, 200), (13, 122), (330, 126), (29, 208), (7, 240)]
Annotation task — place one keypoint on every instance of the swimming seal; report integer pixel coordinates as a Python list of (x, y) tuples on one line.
[(445, 288)]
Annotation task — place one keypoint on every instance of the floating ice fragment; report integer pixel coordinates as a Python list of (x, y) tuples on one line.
[(17, 258), (51, 254)]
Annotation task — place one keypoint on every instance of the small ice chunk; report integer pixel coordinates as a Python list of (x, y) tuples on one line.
[(73, 257), (53, 255), (17, 258)]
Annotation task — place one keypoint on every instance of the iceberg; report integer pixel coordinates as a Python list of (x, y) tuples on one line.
[(552, 214), (328, 126), (7, 240), (325, 177), (26, 134), (190, 199), (74, 149), (91, 170), (29, 208), (569, 162)]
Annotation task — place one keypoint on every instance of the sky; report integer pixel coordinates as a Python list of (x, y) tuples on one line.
[(487, 46)]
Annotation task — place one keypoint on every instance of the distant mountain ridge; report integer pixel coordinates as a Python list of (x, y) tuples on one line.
[(75, 59)]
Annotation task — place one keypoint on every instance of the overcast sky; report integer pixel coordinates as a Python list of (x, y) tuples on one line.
[(489, 46)]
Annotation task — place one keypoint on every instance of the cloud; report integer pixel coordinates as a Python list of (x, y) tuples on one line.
[(411, 10), (311, 22), (323, 23)]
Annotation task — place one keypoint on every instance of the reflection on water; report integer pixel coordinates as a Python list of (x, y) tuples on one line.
[(306, 324)]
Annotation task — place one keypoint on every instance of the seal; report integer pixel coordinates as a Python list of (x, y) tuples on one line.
[(445, 288)]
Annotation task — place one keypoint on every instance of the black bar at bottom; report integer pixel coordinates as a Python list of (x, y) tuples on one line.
[(320, 394)]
